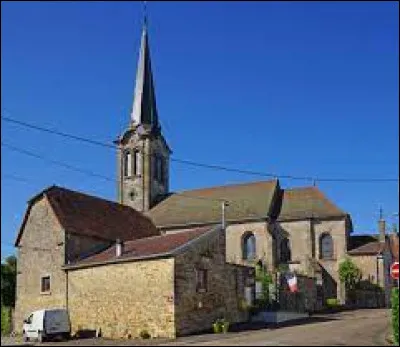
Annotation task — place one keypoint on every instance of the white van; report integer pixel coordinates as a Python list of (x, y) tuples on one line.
[(44, 324)]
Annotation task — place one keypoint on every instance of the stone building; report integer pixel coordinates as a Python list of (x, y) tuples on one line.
[(60, 227), (167, 285), (67, 239)]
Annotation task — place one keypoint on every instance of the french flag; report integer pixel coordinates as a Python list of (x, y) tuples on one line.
[(292, 282)]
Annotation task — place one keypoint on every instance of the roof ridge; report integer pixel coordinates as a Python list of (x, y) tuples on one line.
[(228, 185)]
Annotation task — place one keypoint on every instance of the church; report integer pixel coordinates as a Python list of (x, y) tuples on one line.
[(167, 263)]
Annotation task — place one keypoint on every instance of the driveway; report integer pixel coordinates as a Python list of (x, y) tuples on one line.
[(366, 327)]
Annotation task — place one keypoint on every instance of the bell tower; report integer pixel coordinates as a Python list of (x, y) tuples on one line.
[(143, 153)]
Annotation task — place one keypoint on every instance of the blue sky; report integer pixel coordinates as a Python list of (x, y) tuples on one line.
[(306, 89)]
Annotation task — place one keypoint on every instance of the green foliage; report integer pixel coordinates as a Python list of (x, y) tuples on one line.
[(221, 326), (5, 320), (395, 315), (8, 281), (349, 274), (332, 302), (144, 334)]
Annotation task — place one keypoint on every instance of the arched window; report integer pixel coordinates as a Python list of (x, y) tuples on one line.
[(286, 254), (326, 246), (249, 246), (136, 162), (127, 164)]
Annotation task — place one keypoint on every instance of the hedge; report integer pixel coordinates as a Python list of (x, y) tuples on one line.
[(5, 320), (395, 315)]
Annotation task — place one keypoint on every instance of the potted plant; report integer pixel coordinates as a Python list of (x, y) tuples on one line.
[(217, 327), (225, 326)]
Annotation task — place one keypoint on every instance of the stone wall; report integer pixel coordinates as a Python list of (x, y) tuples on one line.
[(123, 299), (304, 300), (234, 234), (40, 253), (79, 246), (304, 239), (196, 311)]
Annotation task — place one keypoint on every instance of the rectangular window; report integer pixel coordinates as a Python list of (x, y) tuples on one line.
[(201, 285), (45, 284)]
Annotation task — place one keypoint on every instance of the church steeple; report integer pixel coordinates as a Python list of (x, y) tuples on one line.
[(143, 154), (144, 108)]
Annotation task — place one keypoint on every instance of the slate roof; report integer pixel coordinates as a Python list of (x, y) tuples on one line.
[(203, 206), (307, 202), (88, 215), (146, 248)]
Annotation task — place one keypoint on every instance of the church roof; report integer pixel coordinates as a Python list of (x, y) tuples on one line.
[(307, 202), (144, 109), (88, 215), (203, 206), (147, 248)]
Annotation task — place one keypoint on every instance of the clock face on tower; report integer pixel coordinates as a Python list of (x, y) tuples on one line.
[(132, 194)]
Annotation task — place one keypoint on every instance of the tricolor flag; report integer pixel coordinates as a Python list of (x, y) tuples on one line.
[(292, 282)]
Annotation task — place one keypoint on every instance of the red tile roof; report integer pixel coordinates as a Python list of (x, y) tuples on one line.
[(88, 215), (148, 247)]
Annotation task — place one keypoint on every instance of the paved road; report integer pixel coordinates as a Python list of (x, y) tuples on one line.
[(362, 327)]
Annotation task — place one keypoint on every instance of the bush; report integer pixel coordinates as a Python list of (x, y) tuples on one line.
[(144, 334), (221, 325), (395, 315), (332, 302), (5, 320)]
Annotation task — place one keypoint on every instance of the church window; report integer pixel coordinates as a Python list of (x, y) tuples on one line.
[(201, 280), (136, 163), (249, 246), (286, 254), (128, 164), (45, 284), (326, 246), (159, 169)]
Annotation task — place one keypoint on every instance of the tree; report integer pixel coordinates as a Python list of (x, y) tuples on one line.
[(349, 275), (8, 281)]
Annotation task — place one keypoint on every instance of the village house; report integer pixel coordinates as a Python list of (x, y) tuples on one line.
[(171, 263)]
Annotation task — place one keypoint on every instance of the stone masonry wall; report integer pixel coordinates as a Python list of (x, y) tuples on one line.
[(123, 299), (304, 239), (41, 252), (79, 246), (337, 229), (196, 311), (234, 234)]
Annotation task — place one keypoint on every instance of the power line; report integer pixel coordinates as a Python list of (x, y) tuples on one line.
[(203, 165), (55, 162)]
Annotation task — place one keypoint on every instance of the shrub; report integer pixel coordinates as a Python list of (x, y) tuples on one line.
[(332, 302), (395, 315), (5, 320), (221, 325), (144, 334)]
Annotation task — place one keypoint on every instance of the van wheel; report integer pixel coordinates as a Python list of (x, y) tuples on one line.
[(25, 337)]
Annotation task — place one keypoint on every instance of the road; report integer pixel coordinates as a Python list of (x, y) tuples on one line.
[(366, 327)]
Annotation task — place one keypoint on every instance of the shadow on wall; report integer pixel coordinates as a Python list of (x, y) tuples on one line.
[(86, 334)]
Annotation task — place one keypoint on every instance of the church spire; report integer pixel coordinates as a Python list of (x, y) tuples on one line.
[(144, 109)]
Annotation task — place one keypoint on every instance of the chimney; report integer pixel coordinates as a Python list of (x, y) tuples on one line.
[(381, 227), (119, 248)]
